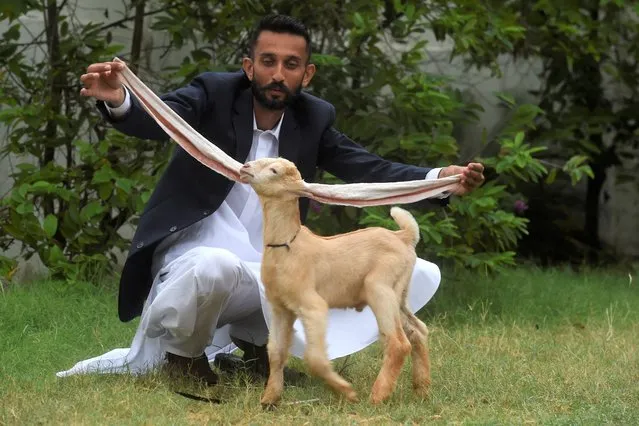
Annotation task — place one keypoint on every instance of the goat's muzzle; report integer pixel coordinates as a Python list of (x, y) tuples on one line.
[(245, 174)]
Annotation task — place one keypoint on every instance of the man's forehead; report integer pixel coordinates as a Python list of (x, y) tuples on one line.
[(280, 44)]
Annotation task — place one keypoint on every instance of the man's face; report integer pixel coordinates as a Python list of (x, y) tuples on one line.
[(278, 70)]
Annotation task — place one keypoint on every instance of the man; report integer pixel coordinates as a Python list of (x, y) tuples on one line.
[(193, 268)]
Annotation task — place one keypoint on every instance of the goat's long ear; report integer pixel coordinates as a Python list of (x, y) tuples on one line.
[(359, 195), (179, 130), (378, 194)]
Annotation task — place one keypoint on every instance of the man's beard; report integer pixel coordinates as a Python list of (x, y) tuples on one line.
[(259, 92)]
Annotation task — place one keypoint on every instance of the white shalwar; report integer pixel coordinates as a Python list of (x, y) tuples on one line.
[(207, 287)]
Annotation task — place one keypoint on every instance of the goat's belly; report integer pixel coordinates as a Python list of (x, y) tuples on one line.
[(346, 296)]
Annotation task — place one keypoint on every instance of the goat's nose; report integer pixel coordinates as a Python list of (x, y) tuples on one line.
[(245, 166)]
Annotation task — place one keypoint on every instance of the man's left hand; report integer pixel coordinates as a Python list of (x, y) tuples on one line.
[(472, 176)]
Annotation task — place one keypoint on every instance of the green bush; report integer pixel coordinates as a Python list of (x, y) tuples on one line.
[(77, 183)]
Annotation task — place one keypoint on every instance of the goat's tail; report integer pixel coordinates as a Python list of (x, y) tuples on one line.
[(409, 232)]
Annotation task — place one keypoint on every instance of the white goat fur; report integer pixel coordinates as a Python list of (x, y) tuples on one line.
[(306, 277)]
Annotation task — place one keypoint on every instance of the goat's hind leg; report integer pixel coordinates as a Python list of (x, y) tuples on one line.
[(278, 346), (385, 305), (313, 312), (417, 334)]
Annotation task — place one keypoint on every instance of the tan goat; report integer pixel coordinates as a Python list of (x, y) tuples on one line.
[(304, 275)]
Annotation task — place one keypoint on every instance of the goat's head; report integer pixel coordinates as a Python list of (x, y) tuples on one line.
[(273, 177)]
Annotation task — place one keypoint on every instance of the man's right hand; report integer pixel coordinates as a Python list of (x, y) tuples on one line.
[(102, 81)]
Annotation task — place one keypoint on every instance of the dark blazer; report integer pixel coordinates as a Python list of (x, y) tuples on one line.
[(220, 107)]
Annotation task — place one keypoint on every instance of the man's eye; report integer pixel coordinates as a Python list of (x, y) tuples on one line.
[(292, 65)]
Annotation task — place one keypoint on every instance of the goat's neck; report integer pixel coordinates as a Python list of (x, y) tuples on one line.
[(281, 220)]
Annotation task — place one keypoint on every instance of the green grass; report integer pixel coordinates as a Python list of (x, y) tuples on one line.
[(530, 346)]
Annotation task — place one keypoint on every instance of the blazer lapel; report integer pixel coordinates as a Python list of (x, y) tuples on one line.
[(243, 124), (290, 137)]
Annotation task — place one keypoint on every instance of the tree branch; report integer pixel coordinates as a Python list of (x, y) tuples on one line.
[(129, 18)]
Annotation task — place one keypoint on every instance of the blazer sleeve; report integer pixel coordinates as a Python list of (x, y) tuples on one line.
[(351, 162), (190, 102)]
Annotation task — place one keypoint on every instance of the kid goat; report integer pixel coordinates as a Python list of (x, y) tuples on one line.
[(304, 275)]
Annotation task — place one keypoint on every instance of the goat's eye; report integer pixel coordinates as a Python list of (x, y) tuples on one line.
[(274, 171)]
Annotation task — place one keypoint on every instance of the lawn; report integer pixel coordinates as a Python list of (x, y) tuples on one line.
[(527, 346)]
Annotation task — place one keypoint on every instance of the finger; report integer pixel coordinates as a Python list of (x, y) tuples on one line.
[(87, 91), (476, 166), (105, 66), (473, 181), (88, 78), (473, 175), (465, 182), (101, 67), (118, 66)]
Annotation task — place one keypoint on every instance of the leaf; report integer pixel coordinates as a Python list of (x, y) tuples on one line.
[(551, 176), (25, 208), (410, 11), (13, 33), (105, 190), (41, 185), (55, 255), (102, 175), (325, 59), (23, 189), (125, 184), (92, 209), (506, 98), (50, 225)]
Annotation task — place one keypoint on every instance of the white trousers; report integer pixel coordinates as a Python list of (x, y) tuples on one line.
[(208, 294)]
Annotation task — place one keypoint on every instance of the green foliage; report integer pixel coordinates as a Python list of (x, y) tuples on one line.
[(589, 81), (77, 184)]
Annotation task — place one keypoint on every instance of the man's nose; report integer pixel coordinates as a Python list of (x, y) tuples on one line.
[(278, 76)]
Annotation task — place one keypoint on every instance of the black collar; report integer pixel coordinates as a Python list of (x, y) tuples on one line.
[(287, 245)]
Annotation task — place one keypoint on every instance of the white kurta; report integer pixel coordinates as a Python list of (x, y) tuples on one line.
[(237, 227)]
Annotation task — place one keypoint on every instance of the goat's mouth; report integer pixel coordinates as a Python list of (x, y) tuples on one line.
[(245, 177)]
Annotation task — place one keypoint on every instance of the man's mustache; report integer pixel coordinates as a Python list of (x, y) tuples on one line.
[(276, 86)]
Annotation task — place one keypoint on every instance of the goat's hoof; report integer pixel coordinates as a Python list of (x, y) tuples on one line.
[(268, 406), (423, 391), (379, 396), (352, 396), (381, 391), (269, 403), (377, 399)]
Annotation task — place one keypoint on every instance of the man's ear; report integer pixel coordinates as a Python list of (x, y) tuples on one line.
[(308, 74), (247, 66)]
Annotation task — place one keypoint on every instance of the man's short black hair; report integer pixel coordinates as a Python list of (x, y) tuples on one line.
[(282, 24)]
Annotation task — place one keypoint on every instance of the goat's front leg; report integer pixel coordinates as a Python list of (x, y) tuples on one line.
[(313, 312), (278, 346)]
